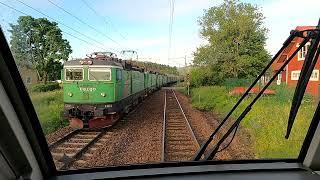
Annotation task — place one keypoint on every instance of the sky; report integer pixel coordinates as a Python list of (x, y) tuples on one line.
[(143, 25)]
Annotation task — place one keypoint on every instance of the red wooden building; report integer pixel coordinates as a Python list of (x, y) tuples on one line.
[(292, 71)]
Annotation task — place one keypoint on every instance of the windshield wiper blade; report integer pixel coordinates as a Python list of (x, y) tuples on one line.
[(311, 131), (214, 150), (306, 71), (212, 153)]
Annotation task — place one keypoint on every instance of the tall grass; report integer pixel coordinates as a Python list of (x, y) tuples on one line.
[(49, 106), (267, 120)]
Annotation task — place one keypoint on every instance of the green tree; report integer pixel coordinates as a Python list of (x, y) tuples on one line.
[(202, 76), (161, 68), (39, 43), (236, 40)]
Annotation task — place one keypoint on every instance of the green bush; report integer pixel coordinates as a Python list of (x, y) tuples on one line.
[(234, 82), (201, 76), (45, 87), (49, 106)]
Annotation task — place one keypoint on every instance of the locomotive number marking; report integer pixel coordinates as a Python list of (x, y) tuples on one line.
[(88, 89)]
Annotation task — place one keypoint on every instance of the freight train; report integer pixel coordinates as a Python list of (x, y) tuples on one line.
[(99, 89)]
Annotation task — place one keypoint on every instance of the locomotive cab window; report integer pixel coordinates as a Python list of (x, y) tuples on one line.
[(119, 74), (99, 74), (74, 74)]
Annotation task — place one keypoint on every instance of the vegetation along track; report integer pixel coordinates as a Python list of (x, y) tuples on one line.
[(77, 146), (179, 141)]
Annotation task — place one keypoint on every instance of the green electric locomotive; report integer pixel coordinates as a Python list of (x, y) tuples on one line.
[(100, 88)]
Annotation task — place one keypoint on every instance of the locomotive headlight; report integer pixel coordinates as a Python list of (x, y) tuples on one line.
[(103, 94), (70, 94)]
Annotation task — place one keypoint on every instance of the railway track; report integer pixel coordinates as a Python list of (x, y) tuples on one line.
[(179, 141), (77, 146)]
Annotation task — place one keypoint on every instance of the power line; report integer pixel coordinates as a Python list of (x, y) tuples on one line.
[(98, 14), (171, 12), (63, 24), (13, 8), (83, 40), (8, 6), (64, 10)]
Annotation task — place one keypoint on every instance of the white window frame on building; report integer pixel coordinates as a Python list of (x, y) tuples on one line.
[(303, 52), (295, 75), (315, 75), (279, 79)]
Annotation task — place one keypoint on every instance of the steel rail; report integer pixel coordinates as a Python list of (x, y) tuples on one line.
[(63, 139), (79, 154), (165, 125), (66, 137), (187, 121), (70, 160)]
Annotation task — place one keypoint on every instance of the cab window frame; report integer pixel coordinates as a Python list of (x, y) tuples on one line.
[(70, 67), (107, 69), (117, 74)]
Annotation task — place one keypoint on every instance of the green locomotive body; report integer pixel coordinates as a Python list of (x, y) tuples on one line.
[(97, 91)]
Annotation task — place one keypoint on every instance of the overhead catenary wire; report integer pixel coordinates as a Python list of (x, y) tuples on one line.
[(171, 13), (65, 25), (176, 60), (21, 12), (83, 22), (103, 18)]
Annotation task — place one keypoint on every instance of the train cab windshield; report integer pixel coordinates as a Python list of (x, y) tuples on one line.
[(110, 87), (99, 74)]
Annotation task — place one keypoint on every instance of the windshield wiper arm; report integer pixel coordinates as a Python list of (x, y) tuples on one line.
[(306, 72), (212, 153)]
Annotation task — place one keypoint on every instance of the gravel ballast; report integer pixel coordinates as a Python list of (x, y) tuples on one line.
[(204, 123), (137, 138)]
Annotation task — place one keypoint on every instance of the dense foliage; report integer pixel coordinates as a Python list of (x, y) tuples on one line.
[(38, 43), (161, 68), (236, 39), (45, 87), (202, 76)]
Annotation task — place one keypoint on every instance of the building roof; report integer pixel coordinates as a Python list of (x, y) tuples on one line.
[(285, 53), (301, 28)]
